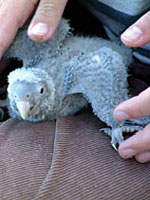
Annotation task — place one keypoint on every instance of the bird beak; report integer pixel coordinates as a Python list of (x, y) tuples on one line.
[(24, 108)]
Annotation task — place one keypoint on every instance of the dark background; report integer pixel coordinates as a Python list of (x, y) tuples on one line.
[(82, 21)]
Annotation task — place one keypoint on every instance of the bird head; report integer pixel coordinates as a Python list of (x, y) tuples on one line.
[(30, 93)]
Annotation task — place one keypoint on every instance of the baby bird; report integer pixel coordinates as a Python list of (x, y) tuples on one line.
[(63, 75)]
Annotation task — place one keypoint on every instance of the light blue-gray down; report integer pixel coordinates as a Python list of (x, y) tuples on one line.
[(63, 75)]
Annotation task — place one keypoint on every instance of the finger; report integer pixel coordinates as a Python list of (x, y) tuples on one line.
[(46, 19), (137, 144), (143, 157), (138, 106), (12, 20), (138, 34)]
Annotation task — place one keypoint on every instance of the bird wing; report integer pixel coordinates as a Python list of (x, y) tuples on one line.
[(102, 78)]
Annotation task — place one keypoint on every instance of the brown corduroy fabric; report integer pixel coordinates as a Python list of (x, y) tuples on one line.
[(69, 160), (25, 155)]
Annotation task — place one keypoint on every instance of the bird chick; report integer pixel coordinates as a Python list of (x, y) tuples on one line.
[(61, 76)]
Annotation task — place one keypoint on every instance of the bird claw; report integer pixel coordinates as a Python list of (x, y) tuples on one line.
[(116, 134), (117, 137)]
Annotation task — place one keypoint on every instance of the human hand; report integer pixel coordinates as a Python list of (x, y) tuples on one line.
[(14, 13), (138, 34), (139, 106), (139, 144)]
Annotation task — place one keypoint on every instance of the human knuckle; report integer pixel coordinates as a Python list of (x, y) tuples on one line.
[(47, 8)]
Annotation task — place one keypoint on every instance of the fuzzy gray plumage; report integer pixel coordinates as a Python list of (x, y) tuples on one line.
[(63, 75)]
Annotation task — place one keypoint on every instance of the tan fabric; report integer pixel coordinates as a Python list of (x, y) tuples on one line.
[(69, 161)]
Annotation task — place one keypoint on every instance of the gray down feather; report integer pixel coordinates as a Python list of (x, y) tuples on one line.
[(63, 75)]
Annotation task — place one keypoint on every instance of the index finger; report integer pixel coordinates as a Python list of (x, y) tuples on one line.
[(46, 19)]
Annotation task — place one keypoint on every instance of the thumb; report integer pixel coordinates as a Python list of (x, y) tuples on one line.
[(138, 106), (137, 144), (46, 19)]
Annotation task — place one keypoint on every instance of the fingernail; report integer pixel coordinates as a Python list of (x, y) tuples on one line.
[(133, 34), (128, 153), (120, 115), (144, 157), (39, 29)]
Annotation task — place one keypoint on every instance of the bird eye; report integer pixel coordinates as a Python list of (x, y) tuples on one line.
[(27, 95), (42, 91)]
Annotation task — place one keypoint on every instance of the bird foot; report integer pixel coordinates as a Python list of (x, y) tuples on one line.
[(116, 134)]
